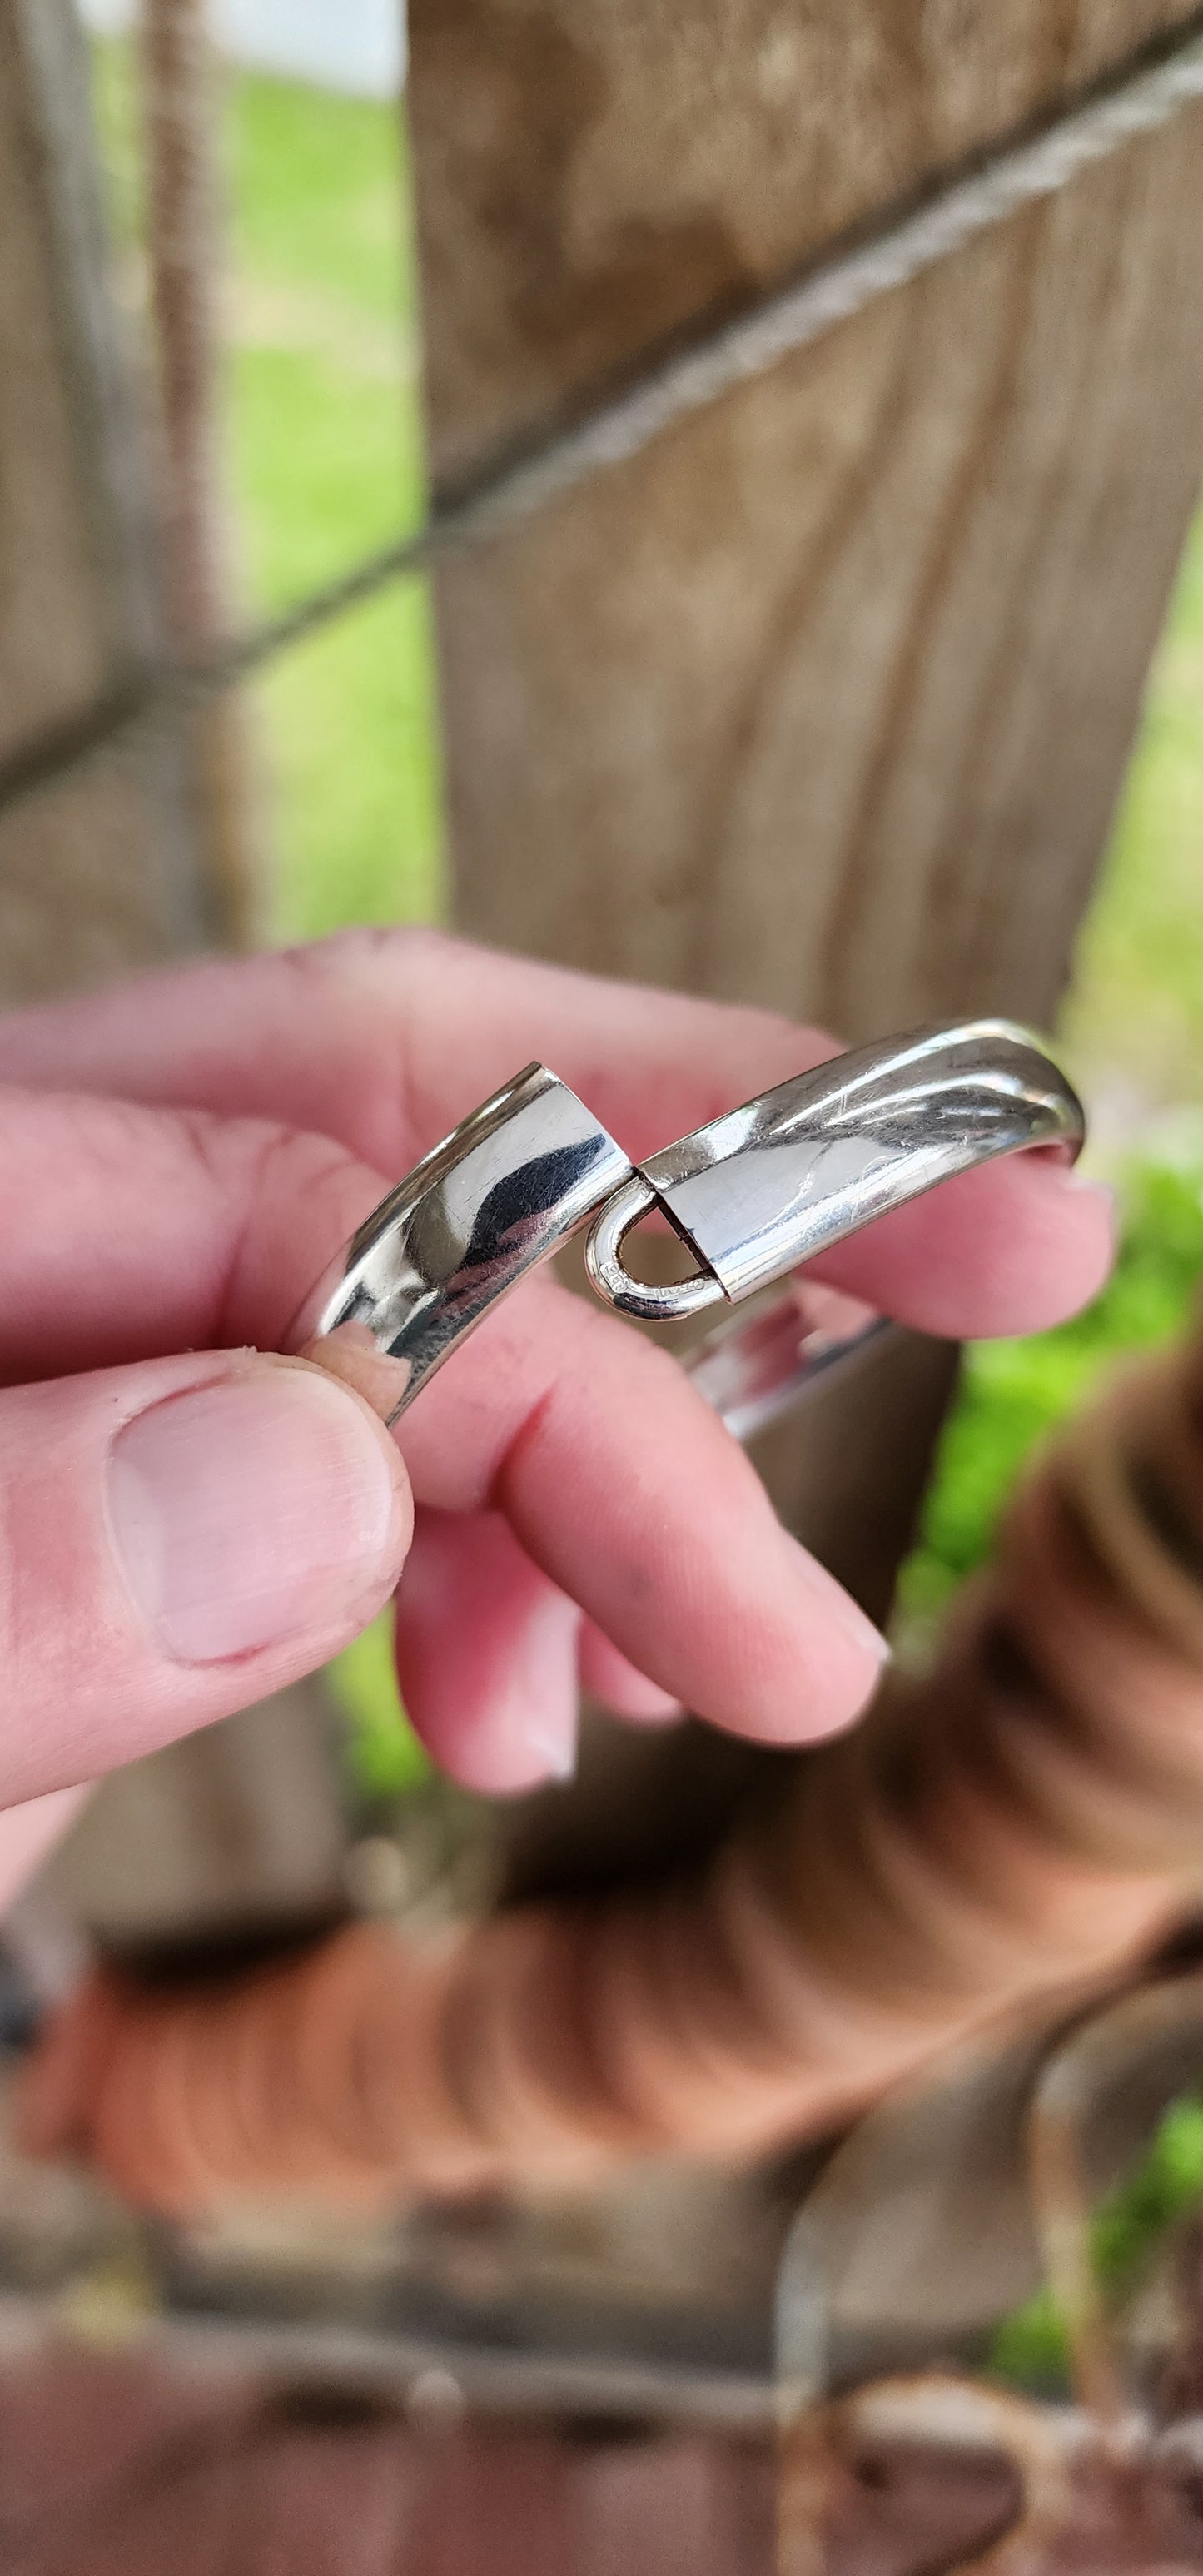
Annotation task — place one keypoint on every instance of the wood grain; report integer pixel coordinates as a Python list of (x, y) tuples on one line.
[(824, 700), (102, 873)]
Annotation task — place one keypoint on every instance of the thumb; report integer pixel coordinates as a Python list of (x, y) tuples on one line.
[(178, 1539)]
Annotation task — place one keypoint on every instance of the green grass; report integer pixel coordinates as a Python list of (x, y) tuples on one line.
[(318, 197), (327, 463), (1135, 1015), (384, 1755), (323, 462)]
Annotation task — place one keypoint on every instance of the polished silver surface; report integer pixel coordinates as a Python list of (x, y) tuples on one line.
[(753, 1369), (754, 1194), (504, 1191), (765, 1188)]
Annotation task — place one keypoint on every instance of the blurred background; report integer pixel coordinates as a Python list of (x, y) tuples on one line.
[(380, 770)]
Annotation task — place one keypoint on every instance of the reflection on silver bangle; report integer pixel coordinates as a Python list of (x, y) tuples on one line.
[(752, 1195)]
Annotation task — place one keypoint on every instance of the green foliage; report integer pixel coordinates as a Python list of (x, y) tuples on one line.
[(1030, 2346), (325, 462), (384, 1753), (1136, 1008), (319, 195), (1015, 1392)]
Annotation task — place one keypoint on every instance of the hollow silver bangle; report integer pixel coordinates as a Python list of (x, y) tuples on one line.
[(753, 1194)]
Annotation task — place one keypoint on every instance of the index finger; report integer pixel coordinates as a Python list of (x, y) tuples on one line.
[(384, 1040), (153, 1231)]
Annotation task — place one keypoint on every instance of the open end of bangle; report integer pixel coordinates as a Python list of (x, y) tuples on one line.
[(669, 1303)]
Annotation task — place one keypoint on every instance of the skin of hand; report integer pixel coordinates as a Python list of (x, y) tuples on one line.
[(190, 1522)]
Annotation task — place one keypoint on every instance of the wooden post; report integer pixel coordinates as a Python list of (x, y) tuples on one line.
[(181, 127), (101, 873), (823, 701)]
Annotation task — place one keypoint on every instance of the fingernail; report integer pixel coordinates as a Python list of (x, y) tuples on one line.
[(1084, 1185), (843, 1612), (553, 1747), (249, 1512), (513, 1745)]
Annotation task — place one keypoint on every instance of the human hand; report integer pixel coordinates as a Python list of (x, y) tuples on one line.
[(190, 1524)]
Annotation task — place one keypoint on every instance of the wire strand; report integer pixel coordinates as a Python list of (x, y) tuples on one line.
[(1141, 96)]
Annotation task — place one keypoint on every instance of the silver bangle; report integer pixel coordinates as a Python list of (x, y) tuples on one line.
[(752, 1194)]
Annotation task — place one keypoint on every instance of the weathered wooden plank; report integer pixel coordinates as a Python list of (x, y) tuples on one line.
[(101, 873), (182, 126), (822, 701)]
